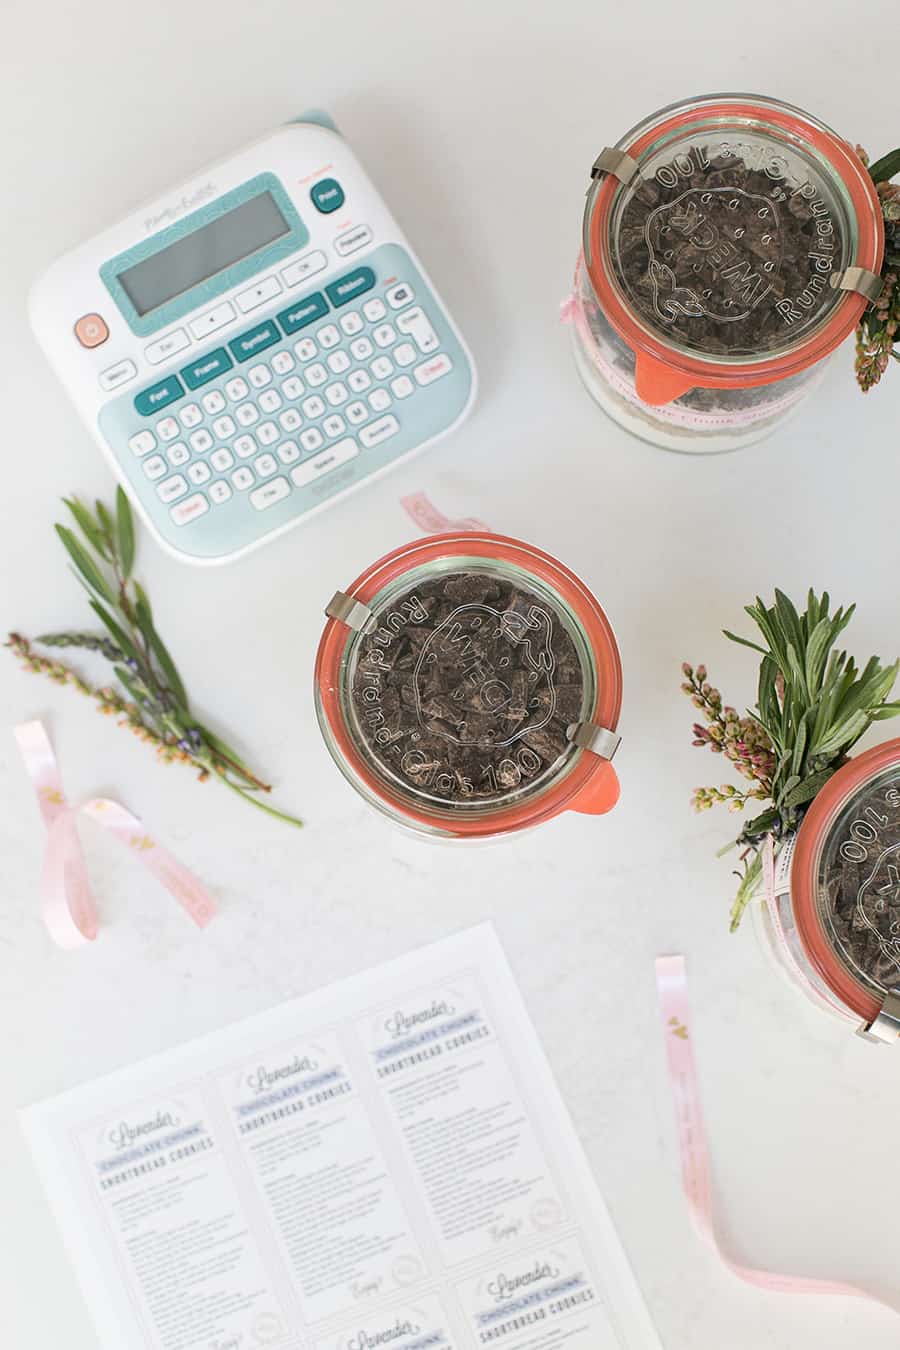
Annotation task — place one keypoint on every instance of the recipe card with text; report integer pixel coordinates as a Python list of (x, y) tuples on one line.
[(386, 1164)]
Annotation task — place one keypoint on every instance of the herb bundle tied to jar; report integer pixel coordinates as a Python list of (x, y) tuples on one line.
[(813, 705)]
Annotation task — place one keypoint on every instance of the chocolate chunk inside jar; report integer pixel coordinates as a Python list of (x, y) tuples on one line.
[(464, 691)]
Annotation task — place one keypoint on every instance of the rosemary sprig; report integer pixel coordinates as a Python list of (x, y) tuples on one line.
[(813, 705), (878, 333), (154, 704)]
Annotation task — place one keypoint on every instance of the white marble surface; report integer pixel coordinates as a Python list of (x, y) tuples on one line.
[(479, 121)]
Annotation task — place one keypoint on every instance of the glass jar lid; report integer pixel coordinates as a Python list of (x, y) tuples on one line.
[(456, 695), (719, 250), (845, 880)]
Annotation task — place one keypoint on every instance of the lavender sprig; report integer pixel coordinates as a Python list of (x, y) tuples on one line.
[(878, 333), (154, 704)]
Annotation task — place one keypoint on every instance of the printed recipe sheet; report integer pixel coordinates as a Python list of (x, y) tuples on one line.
[(386, 1163)]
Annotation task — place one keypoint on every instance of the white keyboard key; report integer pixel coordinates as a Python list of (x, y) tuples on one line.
[(224, 427), (243, 478), (199, 473), (142, 443), (329, 459), (270, 493), (282, 362), (267, 433), (154, 467), (334, 426), (293, 387), (221, 459), (258, 294), (356, 413), (432, 370), (337, 394), (236, 389), (220, 492), (415, 323), (211, 320), (245, 446), (189, 509), (402, 387), (265, 465), (338, 362), (405, 354), (190, 416), (167, 346), (213, 402), (298, 271), (312, 439), (270, 400), (374, 310), (259, 375), (379, 431), (201, 441), (400, 295), (288, 452), (316, 375), (305, 349), (247, 414), (167, 429), (358, 380), (172, 488), (361, 348), (178, 454), (352, 323), (290, 419), (385, 335), (313, 407), (328, 336), (352, 240), (382, 367), (379, 399)]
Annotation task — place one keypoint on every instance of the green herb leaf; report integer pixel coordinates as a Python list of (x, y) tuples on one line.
[(106, 523), (883, 170), (124, 533), (171, 677), (91, 574), (88, 526), (120, 637)]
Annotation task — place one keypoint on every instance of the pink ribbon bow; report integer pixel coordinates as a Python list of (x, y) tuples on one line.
[(69, 911)]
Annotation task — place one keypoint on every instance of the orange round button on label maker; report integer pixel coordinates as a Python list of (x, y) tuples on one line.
[(91, 330)]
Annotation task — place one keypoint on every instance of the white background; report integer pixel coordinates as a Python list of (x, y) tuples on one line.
[(479, 121)]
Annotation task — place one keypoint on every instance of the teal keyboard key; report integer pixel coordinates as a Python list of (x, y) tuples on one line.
[(255, 340), (149, 401), (206, 368), (307, 310), (327, 196), (350, 285)]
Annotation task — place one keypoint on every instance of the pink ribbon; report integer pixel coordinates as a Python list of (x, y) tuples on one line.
[(671, 985), (568, 309), (69, 911), (430, 520)]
